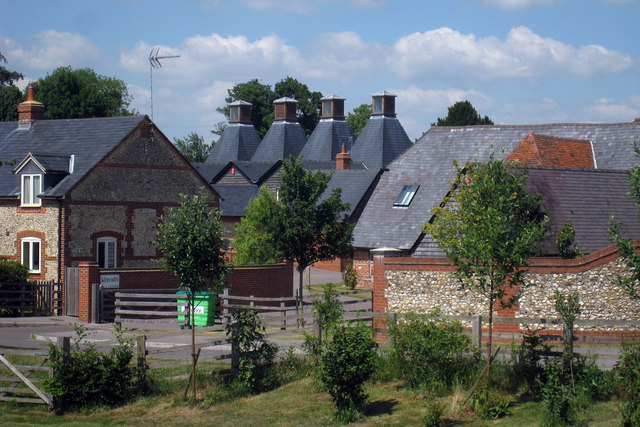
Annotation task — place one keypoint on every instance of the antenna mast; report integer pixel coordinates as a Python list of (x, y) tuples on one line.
[(154, 62)]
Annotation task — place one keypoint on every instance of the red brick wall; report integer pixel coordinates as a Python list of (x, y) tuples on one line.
[(364, 268)]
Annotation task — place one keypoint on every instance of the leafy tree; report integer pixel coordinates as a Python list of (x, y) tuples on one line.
[(359, 118), (631, 282), (193, 147), (462, 113), (262, 97), (488, 228), (218, 128), (10, 95), (190, 239), (254, 245), (72, 94), (258, 94), (308, 102), (308, 229)]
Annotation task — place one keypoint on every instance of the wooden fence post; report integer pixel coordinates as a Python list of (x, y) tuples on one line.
[(235, 356), (283, 313), (392, 319), (141, 343), (476, 331), (95, 303), (65, 344)]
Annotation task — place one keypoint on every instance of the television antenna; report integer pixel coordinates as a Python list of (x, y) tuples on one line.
[(154, 62)]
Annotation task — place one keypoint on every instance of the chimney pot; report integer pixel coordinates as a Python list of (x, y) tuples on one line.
[(30, 110), (343, 160)]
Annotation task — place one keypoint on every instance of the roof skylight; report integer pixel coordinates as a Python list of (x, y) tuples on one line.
[(406, 196)]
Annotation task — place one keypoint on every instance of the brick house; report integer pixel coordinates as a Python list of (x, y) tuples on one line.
[(88, 190)]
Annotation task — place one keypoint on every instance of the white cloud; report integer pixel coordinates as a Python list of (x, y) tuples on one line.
[(53, 49), (605, 109), (448, 53), (521, 4), (305, 6)]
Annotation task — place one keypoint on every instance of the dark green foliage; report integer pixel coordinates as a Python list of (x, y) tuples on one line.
[(13, 271), (348, 361), (433, 418), (430, 351), (359, 118), (627, 380), (350, 277), (85, 378), (494, 407), (10, 95), (253, 243), (462, 113), (568, 308), (71, 94), (193, 147), (565, 241), (527, 361), (256, 371), (262, 97), (327, 310)]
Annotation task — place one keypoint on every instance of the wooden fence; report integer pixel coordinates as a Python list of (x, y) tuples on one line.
[(29, 298), (17, 383)]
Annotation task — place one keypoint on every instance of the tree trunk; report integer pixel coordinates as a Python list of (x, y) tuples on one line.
[(486, 391), (301, 278)]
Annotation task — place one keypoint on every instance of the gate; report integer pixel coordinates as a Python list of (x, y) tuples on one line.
[(71, 291)]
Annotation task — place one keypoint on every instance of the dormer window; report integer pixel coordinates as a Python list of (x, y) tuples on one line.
[(31, 189)]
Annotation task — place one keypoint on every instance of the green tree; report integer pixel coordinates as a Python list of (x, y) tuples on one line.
[(308, 107), (631, 282), (190, 240), (488, 227), (71, 94), (254, 245), (193, 147), (462, 113), (219, 127), (359, 118), (258, 94), (10, 95)]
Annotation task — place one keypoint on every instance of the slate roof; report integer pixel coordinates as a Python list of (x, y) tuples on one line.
[(235, 198), (239, 141), (587, 198), (327, 139), (428, 164), (354, 184), (89, 140), (283, 139), (208, 170), (50, 163), (381, 141), (328, 165)]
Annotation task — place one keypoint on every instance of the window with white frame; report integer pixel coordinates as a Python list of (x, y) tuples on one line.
[(406, 196), (107, 252), (31, 253), (31, 189)]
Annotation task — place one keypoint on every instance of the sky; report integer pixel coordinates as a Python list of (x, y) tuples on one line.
[(517, 61)]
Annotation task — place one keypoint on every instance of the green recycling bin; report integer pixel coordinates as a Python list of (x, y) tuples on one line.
[(204, 308)]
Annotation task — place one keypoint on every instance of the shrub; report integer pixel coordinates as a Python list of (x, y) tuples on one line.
[(84, 377), (527, 361), (347, 362), (13, 271), (627, 375), (565, 242), (430, 351), (434, 415), (495, 406), (327, 309), (350, 277), (256, 355)]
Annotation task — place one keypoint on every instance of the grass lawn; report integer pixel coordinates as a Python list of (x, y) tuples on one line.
[(301, 403)]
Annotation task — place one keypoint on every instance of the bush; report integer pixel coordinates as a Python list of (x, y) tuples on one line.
[(350, 277), (256, 355), (434, 415), (84, 377), (527, 361), (496, 406), (347, 362), (627, 375), (327, 310), (431, 351), (13, 271)]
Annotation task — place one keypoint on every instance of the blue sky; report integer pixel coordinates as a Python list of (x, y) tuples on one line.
[(517, 61)]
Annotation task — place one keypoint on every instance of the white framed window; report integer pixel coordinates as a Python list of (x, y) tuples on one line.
[(31, 189), (31, 250), (406, 196), (107, 252)]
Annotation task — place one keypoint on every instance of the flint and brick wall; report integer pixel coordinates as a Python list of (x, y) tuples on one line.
[(424, 284)]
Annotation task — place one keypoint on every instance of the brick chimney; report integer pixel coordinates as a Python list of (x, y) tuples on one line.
[(30, 110), (384, 103), (240, 112), (332, 107), (285, 109), (343, 160)]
